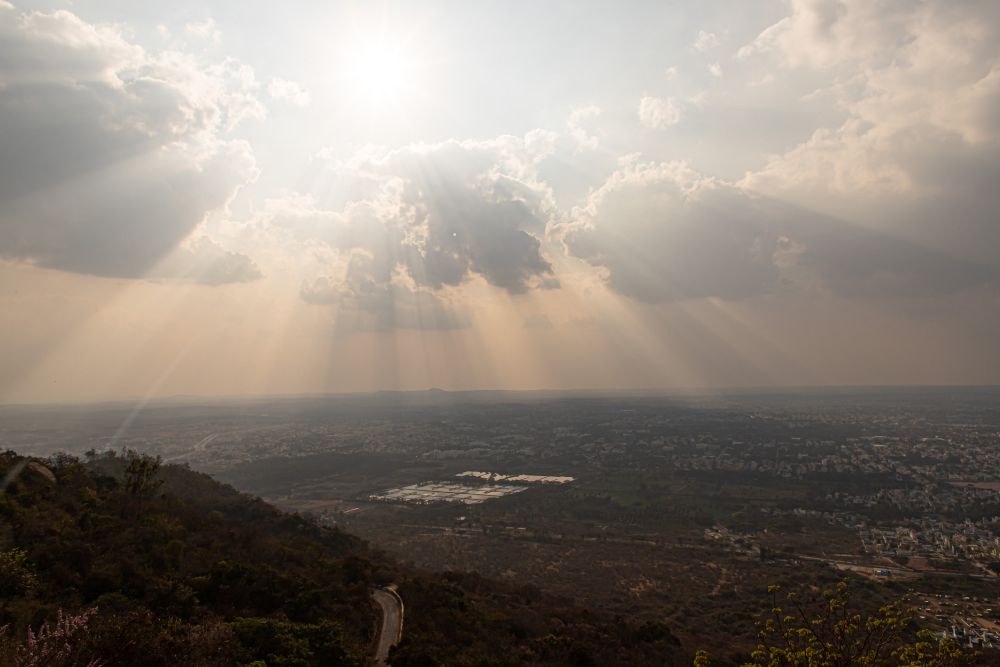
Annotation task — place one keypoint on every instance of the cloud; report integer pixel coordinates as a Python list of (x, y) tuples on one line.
[(120, 153), (824, 33), (715, 69), (288, 91), (202, 260), (370, 298), (456, 210), (918, 152), (897, 62), (658, 112), (662, 232), (413, 224), (206, 30), (577, 121), (706, 41)]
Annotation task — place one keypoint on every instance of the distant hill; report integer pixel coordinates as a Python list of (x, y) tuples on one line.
[(184, 570)]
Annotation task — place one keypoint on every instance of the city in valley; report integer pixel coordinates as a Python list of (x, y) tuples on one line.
[(679, 509)]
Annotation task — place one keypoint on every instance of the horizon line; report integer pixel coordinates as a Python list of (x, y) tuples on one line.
[(689, 391)]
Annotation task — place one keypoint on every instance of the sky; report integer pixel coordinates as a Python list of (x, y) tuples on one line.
[(229, 198)]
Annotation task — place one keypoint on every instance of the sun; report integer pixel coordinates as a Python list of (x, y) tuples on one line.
[(381, 75)]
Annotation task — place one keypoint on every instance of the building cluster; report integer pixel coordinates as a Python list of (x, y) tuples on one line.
[(526, 479), (923, 498), (735, 541), (972, 634), (482, 486), (931, 538), (971, 621), (446, 492)]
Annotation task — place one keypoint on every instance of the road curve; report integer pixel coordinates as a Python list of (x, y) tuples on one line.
[(199, 447), (392, 623)]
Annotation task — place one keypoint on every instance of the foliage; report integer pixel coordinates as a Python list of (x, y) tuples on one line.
[(284, 644), (52, 646), (465, 619), (829, 632), (16, 576), (140, 474), (172, 558), (205, 576)]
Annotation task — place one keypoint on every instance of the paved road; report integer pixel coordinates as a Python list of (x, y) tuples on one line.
[(199, 447), (898, 570), (392, 623)]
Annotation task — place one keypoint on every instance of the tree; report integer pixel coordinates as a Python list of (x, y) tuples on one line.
[(140, 474), (828, 632), (16, 575)]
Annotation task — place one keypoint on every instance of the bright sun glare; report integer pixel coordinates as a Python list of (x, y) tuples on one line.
[(381, 75)]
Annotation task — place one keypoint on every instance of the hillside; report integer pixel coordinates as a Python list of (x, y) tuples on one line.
[(184, 570)]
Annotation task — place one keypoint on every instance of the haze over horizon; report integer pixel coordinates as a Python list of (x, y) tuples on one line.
[(220, 198)]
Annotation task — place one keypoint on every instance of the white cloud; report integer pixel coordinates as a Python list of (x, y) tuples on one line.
[(414, 224), (204, 261), (715, 69), (919, 83), (458, 210), (368, 300), (763, 80), (658, 112), (706, 41), (121, 152), (578, 119), (663, 232), (205, 29), (827, 32), (288, 91), (698, 99), (878, 33)]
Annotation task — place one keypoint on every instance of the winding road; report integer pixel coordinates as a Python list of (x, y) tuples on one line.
[(392, 622)]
